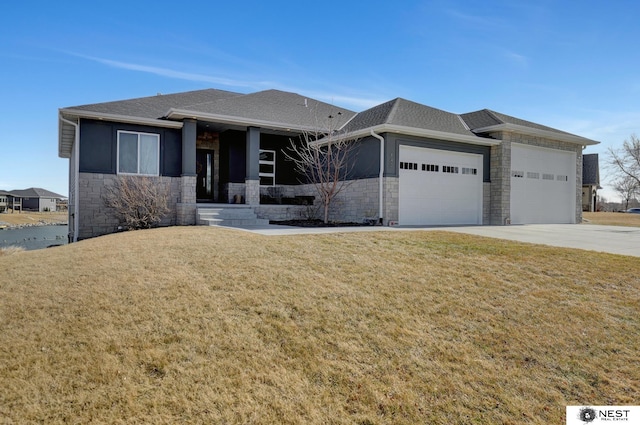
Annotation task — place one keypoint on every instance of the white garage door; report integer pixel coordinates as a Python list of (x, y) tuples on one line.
[(439, 187), (543, 185)]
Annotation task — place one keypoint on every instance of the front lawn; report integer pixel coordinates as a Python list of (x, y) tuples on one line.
[(211, 325)]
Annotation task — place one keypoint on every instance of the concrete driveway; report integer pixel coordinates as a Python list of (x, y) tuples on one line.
[(611, 239)]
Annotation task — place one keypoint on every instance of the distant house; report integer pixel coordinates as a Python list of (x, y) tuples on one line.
[(413, 164), (590, 181), (10, 201), (37, 199), (4, 201)]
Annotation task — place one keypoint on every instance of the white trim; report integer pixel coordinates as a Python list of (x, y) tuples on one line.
[(272, 163), (564, 137), (137, 133), (76, 186), (121, 118), (234, 120), (418, 132)]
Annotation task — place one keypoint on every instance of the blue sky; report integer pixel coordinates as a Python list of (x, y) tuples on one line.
[(569, 65)]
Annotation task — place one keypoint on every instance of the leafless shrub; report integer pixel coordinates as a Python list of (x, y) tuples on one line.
[(139, 202), (324, 157)]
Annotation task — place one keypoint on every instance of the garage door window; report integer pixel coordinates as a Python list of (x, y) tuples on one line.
[(430, 167), (408, 166), (449, 169), (518, 174), (469, 171)]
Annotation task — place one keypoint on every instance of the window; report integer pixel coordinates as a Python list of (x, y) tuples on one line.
[(532, 175), (138, 153), (547, 177), (519, 174), (429, 167), (449, 169), (267, 165), (561, 178), (408, 166), (470, 171)]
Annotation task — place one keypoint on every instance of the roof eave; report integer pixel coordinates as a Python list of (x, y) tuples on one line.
[(422, 132), (180, 114), (569, 138), (155, 122)]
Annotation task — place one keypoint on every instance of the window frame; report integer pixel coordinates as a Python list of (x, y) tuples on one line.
[(271, 175), (138, 134)]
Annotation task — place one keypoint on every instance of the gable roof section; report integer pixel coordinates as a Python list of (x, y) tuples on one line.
[(411, 118), (269, 108), (36, 192), (148, 110), (590, 170), (486, 120)]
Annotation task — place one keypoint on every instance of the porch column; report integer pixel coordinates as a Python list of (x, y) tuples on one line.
[(252, 179), (186, 208)]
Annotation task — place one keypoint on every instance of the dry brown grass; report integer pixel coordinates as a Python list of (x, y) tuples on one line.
[(612, 218), (21, 218), (209, 325)]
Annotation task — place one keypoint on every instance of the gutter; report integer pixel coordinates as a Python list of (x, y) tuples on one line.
[(564, 137), (76, 158), (381, 175), (420, 132)]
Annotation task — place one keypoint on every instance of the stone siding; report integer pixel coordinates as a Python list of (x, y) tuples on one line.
[(358, 201), (486, 203), (233, 192), (96, 219)]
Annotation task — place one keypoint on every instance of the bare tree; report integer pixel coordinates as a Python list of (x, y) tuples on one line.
[(625, 161), (324, 157), (138, 202), (628, 188)]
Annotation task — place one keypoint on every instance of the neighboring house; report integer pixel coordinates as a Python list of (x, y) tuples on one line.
[(37, 199), (590, 182), (5, 198), (9, 201), (414, 165)]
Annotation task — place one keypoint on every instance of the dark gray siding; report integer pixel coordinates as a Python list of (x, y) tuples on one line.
[(395, 140), (365, 158), (98, 147)]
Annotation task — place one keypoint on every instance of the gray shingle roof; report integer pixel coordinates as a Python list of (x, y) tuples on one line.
[(156, 106), (273, 106), (36, 192), (405, 113), (487, 118), (590, 169)]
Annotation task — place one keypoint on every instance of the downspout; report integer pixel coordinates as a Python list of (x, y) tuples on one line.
[(380, 181), (76, 158)]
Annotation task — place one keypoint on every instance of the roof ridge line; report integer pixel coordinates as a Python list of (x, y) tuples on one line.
[(394, 109)]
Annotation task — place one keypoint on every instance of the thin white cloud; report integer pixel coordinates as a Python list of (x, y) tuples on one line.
[(340, 100), (518, 59), (170, 73)]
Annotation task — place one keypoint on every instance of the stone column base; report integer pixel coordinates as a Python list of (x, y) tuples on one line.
[(252, 192), (185, 214)]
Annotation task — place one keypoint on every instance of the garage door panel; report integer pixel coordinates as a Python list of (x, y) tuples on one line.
[(542, 185), (430, 196)]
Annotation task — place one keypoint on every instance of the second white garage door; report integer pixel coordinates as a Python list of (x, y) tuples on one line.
[(439, 187), (543, 185)]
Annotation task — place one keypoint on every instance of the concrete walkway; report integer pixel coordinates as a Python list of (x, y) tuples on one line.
[(611, 239)]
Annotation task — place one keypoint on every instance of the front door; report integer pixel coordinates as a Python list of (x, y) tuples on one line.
[(204, 168)]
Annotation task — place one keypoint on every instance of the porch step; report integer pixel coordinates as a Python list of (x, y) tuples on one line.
[(221, 215)]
